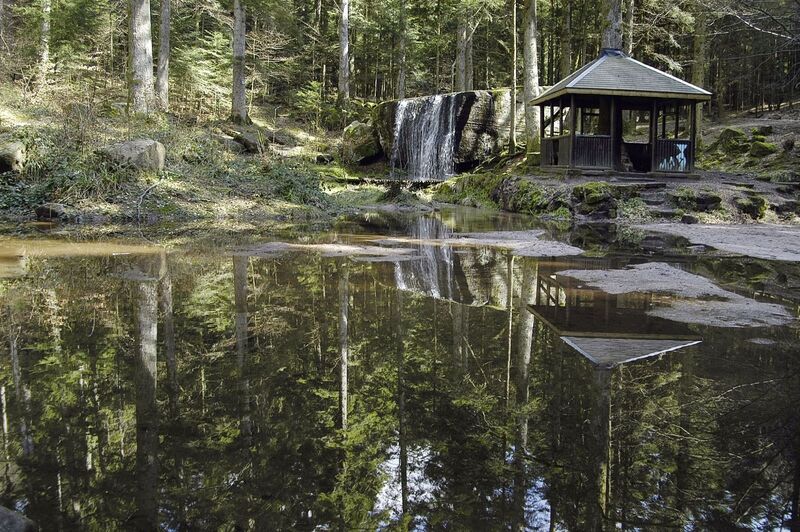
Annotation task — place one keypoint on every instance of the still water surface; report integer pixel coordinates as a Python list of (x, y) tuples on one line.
[(220, 384)]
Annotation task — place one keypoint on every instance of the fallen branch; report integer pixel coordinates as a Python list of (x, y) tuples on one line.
[(141, 199)]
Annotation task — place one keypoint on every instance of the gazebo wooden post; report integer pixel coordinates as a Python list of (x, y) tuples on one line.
[(613, 125), (677, 117), (574, 119), (693, 134), (552, 120), (653, 134), (541, 122)]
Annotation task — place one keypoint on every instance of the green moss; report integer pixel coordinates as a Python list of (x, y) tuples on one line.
[(731, 141), (753, 206), (593, 192), (762, 149), (473, 188)]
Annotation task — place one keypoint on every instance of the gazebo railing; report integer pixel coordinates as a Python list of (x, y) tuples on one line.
[(673, 155), (555, 150), (593, 151)]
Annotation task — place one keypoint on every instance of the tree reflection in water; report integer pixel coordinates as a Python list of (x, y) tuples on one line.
[(303, 391)]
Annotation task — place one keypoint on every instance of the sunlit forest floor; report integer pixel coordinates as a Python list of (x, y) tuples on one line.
[(748, 173), (296, 178)]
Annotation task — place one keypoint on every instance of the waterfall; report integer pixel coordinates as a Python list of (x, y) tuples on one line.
[(434, 273), (424, 138)]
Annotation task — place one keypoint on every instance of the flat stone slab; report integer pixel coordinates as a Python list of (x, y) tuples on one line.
[(761, 241), (690, 298), (519, 243), (376, 253)]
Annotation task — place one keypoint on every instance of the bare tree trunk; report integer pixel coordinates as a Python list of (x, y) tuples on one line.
[(344, 53), (525, 330), (240, 264), (146, 517), (469, 78), (401, 76), (629, 12), (612, 32), (461, 57), (22, 392), (531, 76), (512, 122), (344, 348), (699, 51), (566, 42), (239, 100), (162, 74), (169, 334), (44, 42), (399, 333), (141, 83)]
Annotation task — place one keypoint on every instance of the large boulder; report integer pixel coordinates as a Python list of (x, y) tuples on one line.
[(142, 154), (360, 144), (481, 119), (11, 521), (12, 156)]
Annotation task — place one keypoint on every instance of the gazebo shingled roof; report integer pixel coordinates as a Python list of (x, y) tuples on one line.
[(614, 73)]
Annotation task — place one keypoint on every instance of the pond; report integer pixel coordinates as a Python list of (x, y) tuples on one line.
[(397, 371)]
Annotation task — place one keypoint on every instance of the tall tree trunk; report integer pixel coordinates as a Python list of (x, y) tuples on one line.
[(399, 334), (531, 76), (239, 100), (344, 53), (344, 348), (162, 74), (22, 393), (469, 78), (565, 68), (141, 83), (401, 75), (461, 57), (240, 264), (525, 331), (169, 334), (612, 32), (699, 66), (146, 517), (44, 42), (512, 122), (629, 12)]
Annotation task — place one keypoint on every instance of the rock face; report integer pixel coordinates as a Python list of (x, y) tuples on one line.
[(360, 144), (11, 521), (481, 118), (143, 154), (12, 156)]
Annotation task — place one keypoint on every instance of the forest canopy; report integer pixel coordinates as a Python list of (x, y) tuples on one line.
[(745, 52)]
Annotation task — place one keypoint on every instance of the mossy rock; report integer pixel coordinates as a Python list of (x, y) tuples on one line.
[(759, 138), (753, 206), (731, 141), (762, 131), (593, 192), (689, 200), (762, 149)]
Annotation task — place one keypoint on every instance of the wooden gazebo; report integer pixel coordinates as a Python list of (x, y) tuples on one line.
[(619, 114)]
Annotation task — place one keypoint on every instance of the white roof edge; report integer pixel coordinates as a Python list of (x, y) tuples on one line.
[(568, 340), (669, 75)]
